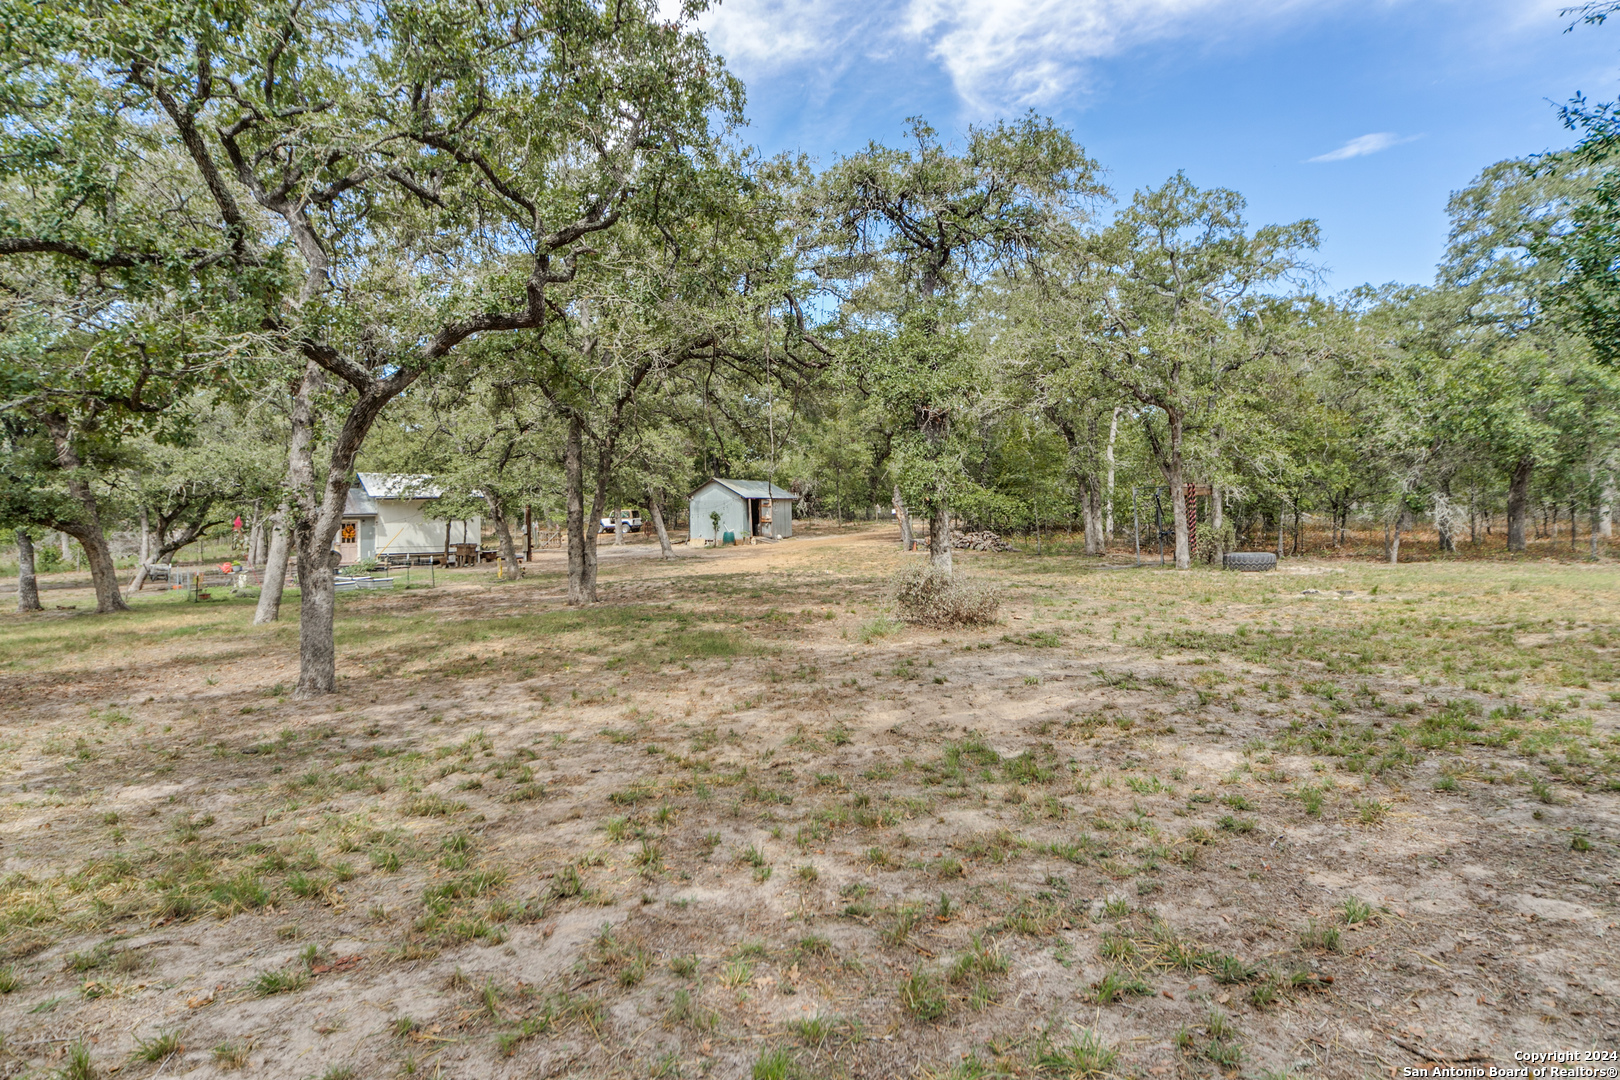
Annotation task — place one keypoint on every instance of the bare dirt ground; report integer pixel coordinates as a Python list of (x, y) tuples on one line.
[(739, 821)]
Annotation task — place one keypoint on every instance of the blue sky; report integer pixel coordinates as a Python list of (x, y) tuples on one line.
[(1415, 96)]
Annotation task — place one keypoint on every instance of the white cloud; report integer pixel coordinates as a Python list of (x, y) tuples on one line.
[(1032, 52), (760, 35), (1362, 145), (998, 53), (1002, 54)]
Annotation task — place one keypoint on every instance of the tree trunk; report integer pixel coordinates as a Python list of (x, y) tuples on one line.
[(1592, 533), (1392, 536), (1178, 501), (939, 537), (619, 528), (256, 536), (1091, 515), (88, 530), (317, 604), (319, 517), (574, 482), (604, 451), (1217, 523), (903, 516), (1606, 512), (1518, 501), (103, 574), (655, 508), (1108, 498), (275, 571), (27, 584), (503, 534)]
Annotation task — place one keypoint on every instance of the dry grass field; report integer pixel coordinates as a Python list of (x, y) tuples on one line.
[(738, 821)]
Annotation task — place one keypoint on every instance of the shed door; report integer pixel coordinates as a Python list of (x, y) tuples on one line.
[(349, 541), (368, 539)]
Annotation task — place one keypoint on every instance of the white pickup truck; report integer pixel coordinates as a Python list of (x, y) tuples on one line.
[(632, 522)]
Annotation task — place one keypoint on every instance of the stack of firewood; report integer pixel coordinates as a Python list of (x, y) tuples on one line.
[(979, 541)]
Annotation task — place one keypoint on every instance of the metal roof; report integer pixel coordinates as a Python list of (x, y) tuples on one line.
[(755, 489), (399, 486), (357, 504)]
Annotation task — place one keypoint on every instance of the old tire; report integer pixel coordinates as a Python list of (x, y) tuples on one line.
[(1249, 560)]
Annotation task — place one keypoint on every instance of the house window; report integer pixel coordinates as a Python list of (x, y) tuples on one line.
[(348, 532)]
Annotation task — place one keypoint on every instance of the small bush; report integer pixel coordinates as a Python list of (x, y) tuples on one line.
[(931, 597)]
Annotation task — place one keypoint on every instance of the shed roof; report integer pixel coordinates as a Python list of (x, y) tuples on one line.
[(399, 486), (755, 489), (357, 504)]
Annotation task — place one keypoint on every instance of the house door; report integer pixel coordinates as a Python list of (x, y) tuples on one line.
[(349, 542), (753, 517), (368, 540)]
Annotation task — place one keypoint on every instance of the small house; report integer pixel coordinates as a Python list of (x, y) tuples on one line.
[(746, 508), (386, 514)]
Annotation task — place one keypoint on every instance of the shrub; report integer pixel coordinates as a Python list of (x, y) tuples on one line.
[(931, 597)]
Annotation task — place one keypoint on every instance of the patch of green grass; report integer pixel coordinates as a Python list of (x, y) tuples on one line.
[(880, 627), (158, 1047), (815, 1030), (1371, 811), (1118, 985), (982, 958), (1084, 1058), (77, 1064), (433, 806), (774, 1064), (679, 645), (1026, 769), (1355, 911), (232, 1055), (922, 996), (278, 982), (1323, 936)]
